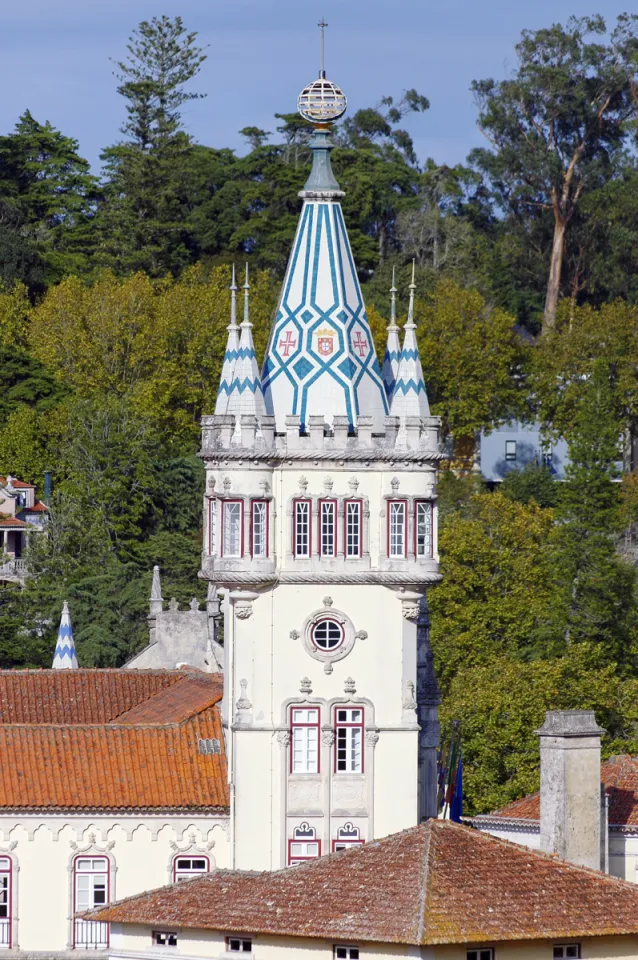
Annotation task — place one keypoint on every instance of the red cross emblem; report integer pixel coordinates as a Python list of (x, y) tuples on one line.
[(360, 344), (288, 344)]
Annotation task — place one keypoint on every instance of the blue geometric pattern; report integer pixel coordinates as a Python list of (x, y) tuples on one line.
[(321, 357), (65, 657), (393, 347), (231, 355), (410, 398), (244, 392)]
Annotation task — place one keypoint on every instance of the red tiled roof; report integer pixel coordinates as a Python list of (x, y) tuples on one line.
[(19, 484), (110, 739), (619, 776), (77, 696), (12, 522), (434, 884), (176, 703), (38, 507)]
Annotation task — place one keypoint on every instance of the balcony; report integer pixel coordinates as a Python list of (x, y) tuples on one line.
[(13, 570), (91, 935)]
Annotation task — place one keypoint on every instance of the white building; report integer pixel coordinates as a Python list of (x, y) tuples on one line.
[(320, 519)]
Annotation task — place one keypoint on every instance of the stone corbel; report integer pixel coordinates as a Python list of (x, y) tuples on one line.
[(242, 601)]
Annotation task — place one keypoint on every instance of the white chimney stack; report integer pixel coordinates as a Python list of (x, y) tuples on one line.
[(570, 786)]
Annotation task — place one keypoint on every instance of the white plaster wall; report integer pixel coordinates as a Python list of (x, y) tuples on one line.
[(140, 850), (135, 941)]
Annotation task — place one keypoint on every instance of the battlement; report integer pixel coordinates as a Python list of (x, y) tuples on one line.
[(228, 433)]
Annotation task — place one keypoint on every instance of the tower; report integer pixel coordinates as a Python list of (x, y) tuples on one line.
[(320, 539)]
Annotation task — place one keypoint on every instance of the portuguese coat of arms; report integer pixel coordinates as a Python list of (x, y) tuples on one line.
[(325, 341)]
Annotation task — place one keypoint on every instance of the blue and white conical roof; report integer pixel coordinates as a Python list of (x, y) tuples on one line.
[(393, 346), (65, 657), (410, 398), (321, 357), (231, 354)]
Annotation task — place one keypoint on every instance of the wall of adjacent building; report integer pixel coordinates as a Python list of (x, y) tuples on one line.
[(140, 851)]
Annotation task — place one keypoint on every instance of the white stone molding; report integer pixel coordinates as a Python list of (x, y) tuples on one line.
[(191, 846), (349, 685), (327, 736), (283, 738), (410, 609), (303, 483), (91, 848), (227, 484), (395, 484), (7, 850), (212, 482), (328, 668), (409, 700), (305, 686), (349, 634), (353, 484), (243, 706), (372, 736), (328, 484)]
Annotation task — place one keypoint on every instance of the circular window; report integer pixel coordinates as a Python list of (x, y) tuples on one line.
[(327, 634)]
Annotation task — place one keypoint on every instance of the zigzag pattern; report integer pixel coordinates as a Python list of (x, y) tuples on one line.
[(65, 657), (405, 386)]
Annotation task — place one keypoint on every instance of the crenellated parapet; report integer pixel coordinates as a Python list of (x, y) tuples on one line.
[(414, 438)]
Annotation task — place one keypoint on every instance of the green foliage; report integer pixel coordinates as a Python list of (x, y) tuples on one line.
[(534, 482)]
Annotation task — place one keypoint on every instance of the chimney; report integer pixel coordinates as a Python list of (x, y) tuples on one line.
[(570, 786)]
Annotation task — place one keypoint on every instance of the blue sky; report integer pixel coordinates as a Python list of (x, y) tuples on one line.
[(54, 60)]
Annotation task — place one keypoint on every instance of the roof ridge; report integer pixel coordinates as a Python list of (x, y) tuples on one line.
[(424, 882), (107, 724)]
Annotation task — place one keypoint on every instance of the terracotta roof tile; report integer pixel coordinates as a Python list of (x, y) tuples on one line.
[(38, 507), (21, 485), (178, 702), (437, 883), (12, 522), (77, 696), (619, 775), (112, 766)]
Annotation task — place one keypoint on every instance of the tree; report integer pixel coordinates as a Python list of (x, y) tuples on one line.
[(496, 594), (558, 127), (142, 220), (47, 199), (534, 482), (472, 360)]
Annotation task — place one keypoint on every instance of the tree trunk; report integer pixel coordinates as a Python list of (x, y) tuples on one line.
[(555, 268)]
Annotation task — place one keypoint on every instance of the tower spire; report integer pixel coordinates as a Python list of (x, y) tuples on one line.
[(246, 395), (231, 354), (393, 347), (410, 398), (322, 24), (65, 657)]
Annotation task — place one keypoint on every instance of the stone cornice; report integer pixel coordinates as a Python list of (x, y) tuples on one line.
[(273, 458), (230, 578)]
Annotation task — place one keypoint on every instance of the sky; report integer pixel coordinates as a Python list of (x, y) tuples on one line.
[(55, 60)]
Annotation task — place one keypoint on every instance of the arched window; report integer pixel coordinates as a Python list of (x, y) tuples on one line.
[(347, 836), (90, 889), (191, 866), (5, 901), (304, 844)]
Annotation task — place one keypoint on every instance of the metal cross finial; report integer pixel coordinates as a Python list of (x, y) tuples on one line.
[(322, 24)]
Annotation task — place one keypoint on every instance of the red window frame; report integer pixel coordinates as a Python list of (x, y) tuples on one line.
[(317, 725), (335, 508), (352, 725), (405, 534), (352, 556), (298, 500), (212, 515), (252, 522), (303, 840), (86, 873), (222, 531), (345, 844), (417, 504), (190, 856), (8, 872)]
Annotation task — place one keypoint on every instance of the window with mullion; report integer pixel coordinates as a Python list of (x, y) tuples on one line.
[(328, 528), (348, 740), (5, 902), (397, 528), (353, 514), (304, 740), (259, 528), (213, 546), (423, 528), (301, 537), (232, 533)]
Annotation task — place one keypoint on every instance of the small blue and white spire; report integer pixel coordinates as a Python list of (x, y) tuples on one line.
[(65, 657), (410, 398), (231, 354), (393, 347), (246, 395)]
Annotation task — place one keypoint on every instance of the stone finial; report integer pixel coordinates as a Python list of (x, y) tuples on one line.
[(194, 605), (570, 723), (173, 605), (305, 686), (327, 601), (156, 603), (353, 483), (349, 686)]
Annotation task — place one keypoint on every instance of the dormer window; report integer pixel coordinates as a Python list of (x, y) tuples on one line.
[(233, 523), (301, 540)]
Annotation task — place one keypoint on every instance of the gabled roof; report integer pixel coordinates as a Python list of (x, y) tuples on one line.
[(110, 739), (13, 523), (38, 507), (619, 776), (436, 883)]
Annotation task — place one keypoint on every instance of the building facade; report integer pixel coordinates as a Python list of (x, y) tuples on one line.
[(21, 516), (321, 540)]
